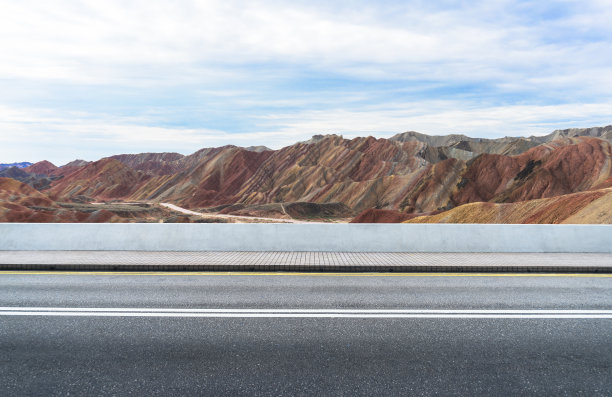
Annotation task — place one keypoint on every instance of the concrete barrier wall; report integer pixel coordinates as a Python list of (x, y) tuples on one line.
[(308, 237)]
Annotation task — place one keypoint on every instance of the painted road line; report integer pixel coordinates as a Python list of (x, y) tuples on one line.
[(281, 310), (305, 313), (289, 274)]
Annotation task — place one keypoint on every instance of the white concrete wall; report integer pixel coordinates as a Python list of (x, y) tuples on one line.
[(308, 237)]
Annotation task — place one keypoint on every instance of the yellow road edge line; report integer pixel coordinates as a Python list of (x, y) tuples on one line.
[(313, 274)]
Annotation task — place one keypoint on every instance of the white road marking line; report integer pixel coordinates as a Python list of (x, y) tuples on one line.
[(307, 315), (280, 310), (301, 313)]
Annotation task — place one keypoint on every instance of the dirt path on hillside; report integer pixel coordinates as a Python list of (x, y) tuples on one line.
[(224, 216)]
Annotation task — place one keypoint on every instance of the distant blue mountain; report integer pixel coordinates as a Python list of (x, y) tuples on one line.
[(18, 165)]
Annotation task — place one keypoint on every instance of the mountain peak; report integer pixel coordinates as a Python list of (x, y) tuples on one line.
[(318, 138), (258, 149), (41, 168)]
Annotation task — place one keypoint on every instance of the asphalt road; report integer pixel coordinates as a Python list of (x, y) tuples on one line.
[(477, 335)]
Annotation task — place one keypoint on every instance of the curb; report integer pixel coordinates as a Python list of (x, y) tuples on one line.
[(309, 268)]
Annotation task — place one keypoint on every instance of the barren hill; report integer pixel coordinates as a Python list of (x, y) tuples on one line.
[(103, 179), (22, 203), (41, 168), (464, 147), (37, 181), (152, 163), (584, 207), (361, 173), (597, 132), (411, 172), (374, 215), (208, 177)]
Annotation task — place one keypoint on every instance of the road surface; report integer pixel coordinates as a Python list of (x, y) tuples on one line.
[(282, 334)]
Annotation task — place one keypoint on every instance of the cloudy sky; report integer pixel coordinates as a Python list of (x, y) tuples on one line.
[(87, 79)]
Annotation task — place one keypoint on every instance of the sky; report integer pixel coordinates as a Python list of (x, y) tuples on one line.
[(88, 79)]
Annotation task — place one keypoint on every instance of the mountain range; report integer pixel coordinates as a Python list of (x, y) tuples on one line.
[(16, 165), (419, 176)]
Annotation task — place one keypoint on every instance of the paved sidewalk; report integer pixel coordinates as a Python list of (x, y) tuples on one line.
[(305, 261)]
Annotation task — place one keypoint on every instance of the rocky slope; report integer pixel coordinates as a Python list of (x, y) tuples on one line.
[(412, 173), (209, 177), (584, 207), (37, 181), (361, 173), (105, 179), (464, 147), (22, 203), (69, 168), (563, 166), (596, 132), (152, 163), (41, 168), (374, 215)]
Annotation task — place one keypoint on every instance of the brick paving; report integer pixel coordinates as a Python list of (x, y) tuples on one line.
[(305, 261)]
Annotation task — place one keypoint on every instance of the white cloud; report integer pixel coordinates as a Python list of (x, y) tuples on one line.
[(61, 139), (249, 62), (445, 117), (111, 41)]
